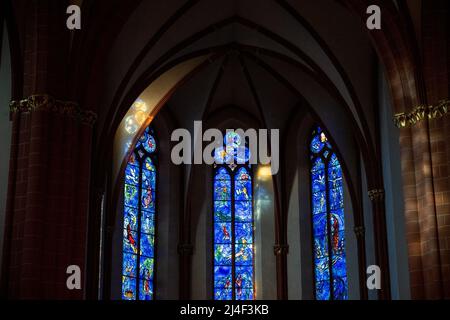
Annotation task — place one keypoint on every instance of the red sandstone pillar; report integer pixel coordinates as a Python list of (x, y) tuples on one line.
[(46, 217), (47, 198)]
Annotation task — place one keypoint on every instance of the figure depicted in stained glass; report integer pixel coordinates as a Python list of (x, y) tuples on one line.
[(139, 220), (328, 220), (131, 239), (226, 234), (239, 286), (233, 222)]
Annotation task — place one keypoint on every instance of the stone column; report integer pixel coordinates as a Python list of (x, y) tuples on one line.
[(281, 251), (360, 233), (48, 195), (185, 252), (376, 196), (48, 198), (426, 189)]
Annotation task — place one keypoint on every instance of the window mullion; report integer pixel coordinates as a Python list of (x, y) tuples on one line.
[(139, 215)]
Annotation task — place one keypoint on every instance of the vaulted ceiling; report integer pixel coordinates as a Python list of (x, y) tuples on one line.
[(267, 58), (280, 49)]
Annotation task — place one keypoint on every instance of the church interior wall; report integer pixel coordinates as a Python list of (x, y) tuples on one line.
[(5, 124)]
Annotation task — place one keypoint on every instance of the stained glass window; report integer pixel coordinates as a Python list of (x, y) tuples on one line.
[(139, 220), (233, 222), (328, 220)]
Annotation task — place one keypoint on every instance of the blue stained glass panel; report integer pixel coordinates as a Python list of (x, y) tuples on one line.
[(243, 211), (146, 268), (319, 202), (321, 246), (340, 287), (223, 294), (244, 276), (130, 241), (316, 144), (244, 232), (334, 162), (336, 198), (222, 174), (233, 151), (339, 266), (318, 181), (132, 175), (130, 218), (232, 139), (145, 289), (222, 232), (148, 222), (147, 245), (335, 177), (128, 288), (320, 224), (323, 290), (243, 155), (148, 196), (148, 190), (131, 194), (244, 294), (322, 272), (222, 254), (129, 265), (222, 277), (318, 165), (149, 143), (243, 175), (244, 254), (243, 190), (149, 165), (223, 155), (148, 179), (222, 211), (222, 190)]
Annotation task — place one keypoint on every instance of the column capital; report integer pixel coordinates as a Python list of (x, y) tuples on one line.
[(376, 194), (360, 231), (409, 119), (45, 102)]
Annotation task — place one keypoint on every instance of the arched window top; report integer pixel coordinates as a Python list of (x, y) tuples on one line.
[(234, 150), (222, 174), (319, 141), (242, 174), (147, 142)]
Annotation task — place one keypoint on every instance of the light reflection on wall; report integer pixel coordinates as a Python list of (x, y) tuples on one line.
[(263, 198), (136, 116), (140, 113), (264, 173), (265, 281)]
